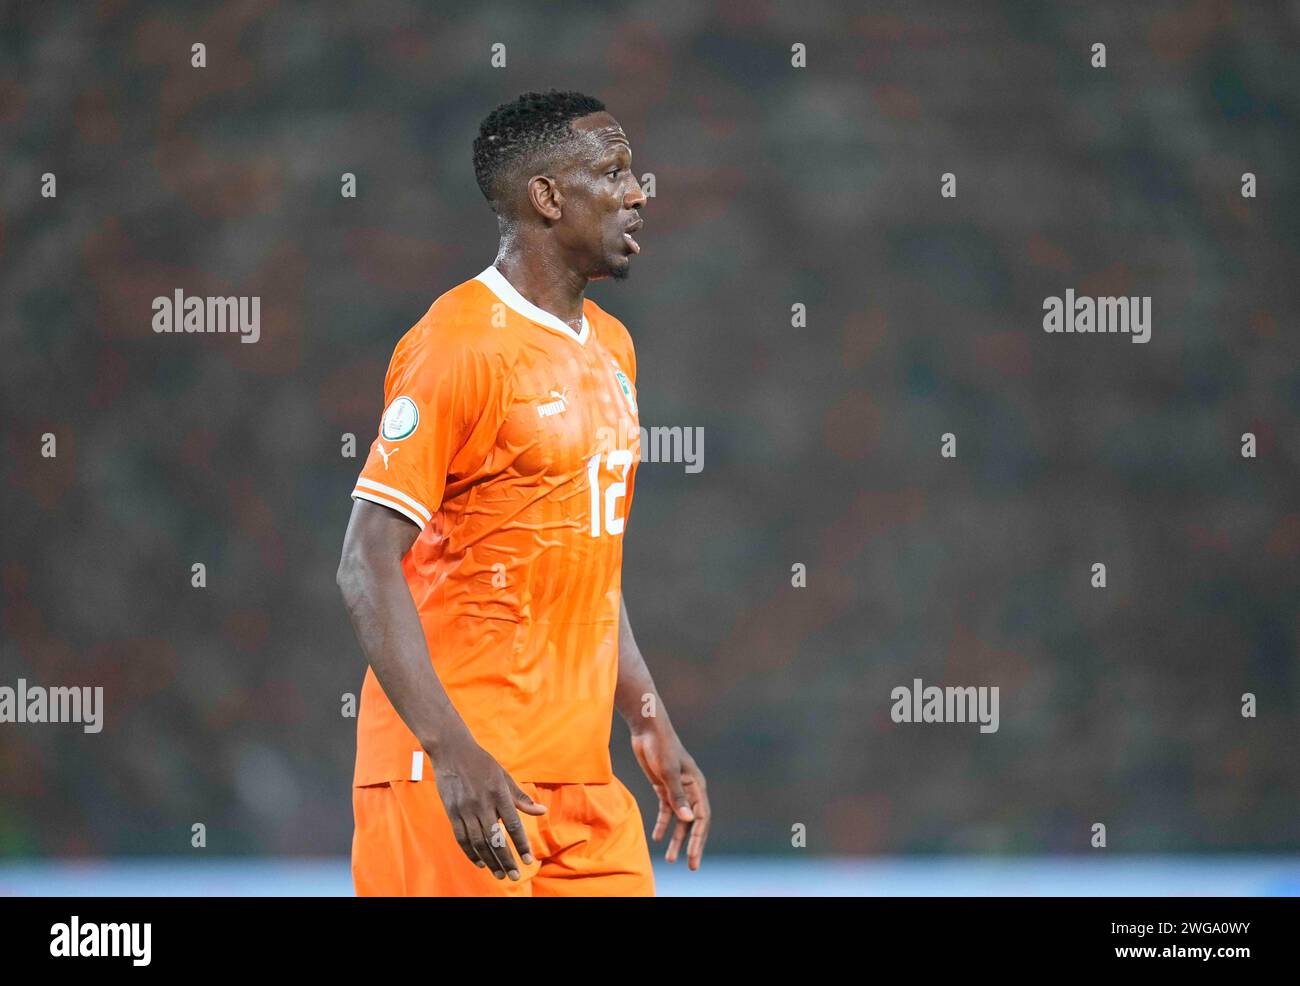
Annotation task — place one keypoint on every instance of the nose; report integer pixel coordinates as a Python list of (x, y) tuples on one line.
[(635, 197)]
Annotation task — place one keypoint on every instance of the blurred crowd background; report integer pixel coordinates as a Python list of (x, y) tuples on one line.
[(775, 185)]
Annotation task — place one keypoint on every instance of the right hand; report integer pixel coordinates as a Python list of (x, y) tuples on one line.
[(476, 791)]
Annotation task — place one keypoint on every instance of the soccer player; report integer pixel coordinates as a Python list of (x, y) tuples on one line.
[(481, 565)]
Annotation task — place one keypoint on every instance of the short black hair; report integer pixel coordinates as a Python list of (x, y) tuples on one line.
[(524, 131)]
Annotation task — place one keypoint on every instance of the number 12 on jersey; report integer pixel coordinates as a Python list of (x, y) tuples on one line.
[(613, 493)]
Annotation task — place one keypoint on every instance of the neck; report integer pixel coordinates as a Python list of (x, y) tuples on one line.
[(537, 271)]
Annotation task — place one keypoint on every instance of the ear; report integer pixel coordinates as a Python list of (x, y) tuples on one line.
[(545, 197)]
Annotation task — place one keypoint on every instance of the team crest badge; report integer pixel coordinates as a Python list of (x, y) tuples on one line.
[(400, 420), (625, 385)]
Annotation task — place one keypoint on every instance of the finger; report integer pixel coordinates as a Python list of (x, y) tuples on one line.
[(699, 833), (463, 840), (674, 846), (515, 829), (701, 810), (479, 838), (681, 803), (665, 806), (523, 801), (499, 841), (665, 815)]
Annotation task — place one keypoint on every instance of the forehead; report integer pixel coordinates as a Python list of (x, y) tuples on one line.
[(601, 133)]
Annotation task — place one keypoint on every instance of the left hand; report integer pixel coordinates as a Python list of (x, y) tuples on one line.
[(679, 782)]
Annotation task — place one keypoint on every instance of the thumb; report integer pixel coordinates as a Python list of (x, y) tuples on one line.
[(522, 801), (681, 803)]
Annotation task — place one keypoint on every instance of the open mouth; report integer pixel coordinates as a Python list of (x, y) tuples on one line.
[(632, 244)]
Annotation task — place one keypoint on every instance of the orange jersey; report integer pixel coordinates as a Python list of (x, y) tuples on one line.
[(513, 443)]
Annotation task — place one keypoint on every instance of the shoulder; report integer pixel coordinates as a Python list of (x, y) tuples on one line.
[(613, 334), (458, 323), (453, 344)]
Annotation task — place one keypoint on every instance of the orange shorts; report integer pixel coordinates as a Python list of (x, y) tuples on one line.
[(590, 843)]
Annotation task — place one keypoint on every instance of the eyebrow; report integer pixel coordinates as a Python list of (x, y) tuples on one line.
[(620, 149)]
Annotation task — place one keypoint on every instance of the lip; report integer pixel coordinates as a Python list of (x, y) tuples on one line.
[(633, 245)]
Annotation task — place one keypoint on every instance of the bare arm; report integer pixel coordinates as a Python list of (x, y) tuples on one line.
[(388, 626), (676, 778), (475, 790), (635, 696)]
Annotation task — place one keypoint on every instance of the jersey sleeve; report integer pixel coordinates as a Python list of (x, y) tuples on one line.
[(435, 392)]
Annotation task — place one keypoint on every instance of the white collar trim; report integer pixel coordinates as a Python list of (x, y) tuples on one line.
[(504, 290)]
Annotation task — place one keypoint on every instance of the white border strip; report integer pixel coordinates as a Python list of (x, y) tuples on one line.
[(376, 498), (398, 495), (504, 290)]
